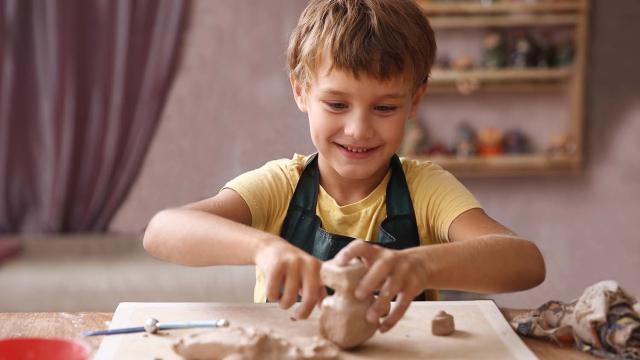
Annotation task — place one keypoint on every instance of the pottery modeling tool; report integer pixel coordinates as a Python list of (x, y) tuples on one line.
[(152, 326)]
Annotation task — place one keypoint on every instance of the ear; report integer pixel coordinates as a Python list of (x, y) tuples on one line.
[(298, 94), (417, 98)]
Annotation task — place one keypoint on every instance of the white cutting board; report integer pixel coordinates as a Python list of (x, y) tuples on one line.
[(481, 331)]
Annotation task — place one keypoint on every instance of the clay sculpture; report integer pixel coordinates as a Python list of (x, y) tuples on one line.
[(342, 316), (442, 324)]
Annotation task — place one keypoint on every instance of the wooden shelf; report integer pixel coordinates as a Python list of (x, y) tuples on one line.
[(502, 75), (508, 20), (497, 80), (508, 165), (475, 17), (475, 7)]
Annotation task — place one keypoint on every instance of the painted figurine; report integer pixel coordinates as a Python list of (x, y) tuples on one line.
[(525, 51), (546, 56), (414, 139), (490, 142), (515, 142), (465, 140), (462, 63), (494, 52), (561, 144), (565, 53)]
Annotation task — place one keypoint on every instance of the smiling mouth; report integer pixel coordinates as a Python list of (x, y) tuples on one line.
[(356, 149)]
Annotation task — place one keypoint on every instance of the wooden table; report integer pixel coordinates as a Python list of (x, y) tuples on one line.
[(72, 325)]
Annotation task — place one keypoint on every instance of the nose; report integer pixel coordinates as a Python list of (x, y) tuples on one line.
[(358, 126)]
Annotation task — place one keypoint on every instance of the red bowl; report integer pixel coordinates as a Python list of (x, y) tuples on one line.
[(43, 348)]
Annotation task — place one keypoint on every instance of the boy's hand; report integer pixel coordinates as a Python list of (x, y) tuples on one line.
[(294, 271), (390, 271)]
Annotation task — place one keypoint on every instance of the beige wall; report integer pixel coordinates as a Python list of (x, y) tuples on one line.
[(231, 110)]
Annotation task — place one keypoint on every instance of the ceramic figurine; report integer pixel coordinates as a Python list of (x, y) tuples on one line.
[(561, 144), (525, 51), (465, 140), (565, 53), (546, 56), (515, 142), (438, 149), (490, 142), (414, 139), (462, 63), (442, 62), (494, 52)]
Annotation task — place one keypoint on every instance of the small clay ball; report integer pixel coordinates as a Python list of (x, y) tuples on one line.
[(151, 326), (442, 324)]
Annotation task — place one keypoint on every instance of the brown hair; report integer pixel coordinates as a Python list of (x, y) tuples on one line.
[(381, 38)]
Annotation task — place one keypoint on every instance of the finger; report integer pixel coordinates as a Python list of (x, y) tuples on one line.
[(374, 278), (382, 304), (356, 248), (311, 289), (291, 287), (323, 294), (306, 306), (274, 283), (389, 290), (378, 308), (402, 304)]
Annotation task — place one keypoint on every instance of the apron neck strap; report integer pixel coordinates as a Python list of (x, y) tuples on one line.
[(398, 197), (306, 193)]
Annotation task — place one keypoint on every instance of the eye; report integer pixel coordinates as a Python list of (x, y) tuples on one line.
[(385, 108), (336, 105)]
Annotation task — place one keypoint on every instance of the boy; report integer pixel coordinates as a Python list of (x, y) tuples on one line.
[(359, 69)]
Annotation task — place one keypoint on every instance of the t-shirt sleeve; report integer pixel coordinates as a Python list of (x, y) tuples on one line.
[(266, 190), (438, 199)]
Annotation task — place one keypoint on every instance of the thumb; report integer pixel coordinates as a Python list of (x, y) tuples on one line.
[(356, 249)]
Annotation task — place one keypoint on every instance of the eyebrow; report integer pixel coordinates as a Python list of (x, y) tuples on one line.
[(342, 93)]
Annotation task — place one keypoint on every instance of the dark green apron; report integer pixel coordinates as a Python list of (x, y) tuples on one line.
[(303, 228)]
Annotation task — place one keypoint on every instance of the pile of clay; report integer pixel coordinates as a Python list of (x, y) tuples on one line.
[(237, 343)]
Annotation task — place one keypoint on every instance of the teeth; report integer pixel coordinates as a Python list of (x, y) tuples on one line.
[(357, 150)]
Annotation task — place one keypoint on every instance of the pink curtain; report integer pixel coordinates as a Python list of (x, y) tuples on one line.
[(82, 87)]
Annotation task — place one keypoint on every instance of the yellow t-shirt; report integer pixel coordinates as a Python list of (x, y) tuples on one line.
[(437, 196)]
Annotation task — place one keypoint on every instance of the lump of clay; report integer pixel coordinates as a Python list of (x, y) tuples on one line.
[(342, 316), (442, 324), (249, 344)]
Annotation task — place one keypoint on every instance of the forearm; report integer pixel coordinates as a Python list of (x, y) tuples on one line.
[(490, 264), (197, 238)]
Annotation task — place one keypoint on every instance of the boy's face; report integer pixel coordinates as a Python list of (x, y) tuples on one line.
[(356, 124)]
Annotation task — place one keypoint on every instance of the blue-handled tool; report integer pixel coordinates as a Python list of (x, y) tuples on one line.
[(152, 326)]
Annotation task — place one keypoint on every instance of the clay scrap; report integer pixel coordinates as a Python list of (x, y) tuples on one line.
[(239, 343), (442, 324), (342, 316)]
